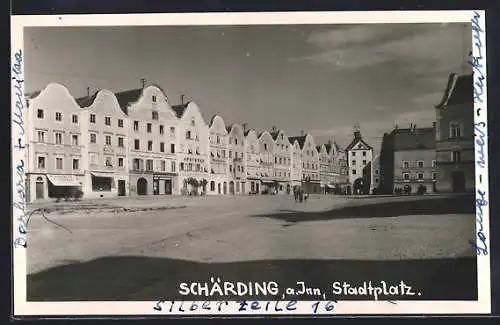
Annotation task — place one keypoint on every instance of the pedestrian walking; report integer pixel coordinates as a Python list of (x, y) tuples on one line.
[(306, 196)]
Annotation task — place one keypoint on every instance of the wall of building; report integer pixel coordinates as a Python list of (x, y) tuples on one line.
[(447, 143), (407, 162)]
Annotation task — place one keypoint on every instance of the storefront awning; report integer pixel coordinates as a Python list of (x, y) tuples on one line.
[(330, 186), (101, 174), (63, 180)]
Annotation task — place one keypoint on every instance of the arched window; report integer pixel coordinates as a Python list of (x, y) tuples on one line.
[(212, 186)]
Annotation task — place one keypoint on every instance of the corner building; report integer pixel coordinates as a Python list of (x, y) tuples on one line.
[(54, 144)]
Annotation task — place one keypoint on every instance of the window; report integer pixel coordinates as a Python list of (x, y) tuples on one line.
[(93, 138), (212, 186), (353, 162), (230, 154), (163, 165), (193, 122), (235, 141), (420, 176), (198, 167), (148, 127), (59, 163), (172, 131), (93, 158), (149, 165), (223, 153), (364, 153), (58, 138), (120, 162), (230, 168), (74, 118), (406, 176), (120, 123), (238, 168), (76, 164), (275, 160), (137, 144), (120, 142), (108, 140), (58, 116), (364, 162), (172, 166), (136, 125), (108, 162), (41, 162), (218, 141), (455, 156), (354, 171), (434, 175), (190, 166), (265, 146), (181, 166), (172, 148), (433, 163), (406, 164), (74, 139), (41, 136), (162, 147), (39, 113), (92, 118), (455, 130), (420, 164), (150, 145), (154, 115), (153, 98), (162, 129), (188, 135), (107, 120), (242, 169)]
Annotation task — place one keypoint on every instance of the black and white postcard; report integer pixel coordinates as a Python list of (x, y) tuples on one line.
[(319, 163)]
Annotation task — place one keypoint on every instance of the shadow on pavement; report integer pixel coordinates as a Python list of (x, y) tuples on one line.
[(425, 206), (144, 278)]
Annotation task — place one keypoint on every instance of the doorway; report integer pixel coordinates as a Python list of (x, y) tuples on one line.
[(458, 181), (156, 187), (168, 186), (121, 187), (142, 186), (39, 188)]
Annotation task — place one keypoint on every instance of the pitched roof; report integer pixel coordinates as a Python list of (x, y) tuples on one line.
[(126, 97), (356, 141), (459, 89), (180, 109), (328, 147), (418, 138), (86, 101), (301, 139), (274, 134)]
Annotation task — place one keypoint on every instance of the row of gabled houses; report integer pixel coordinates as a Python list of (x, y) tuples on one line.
[(136, 143)]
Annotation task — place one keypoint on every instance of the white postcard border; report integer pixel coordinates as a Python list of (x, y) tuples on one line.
[(24, 308)]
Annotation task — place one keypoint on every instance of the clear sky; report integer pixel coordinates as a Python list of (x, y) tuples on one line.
[(318, 78)]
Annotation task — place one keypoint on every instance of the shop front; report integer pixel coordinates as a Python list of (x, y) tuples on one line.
[(163, 183)]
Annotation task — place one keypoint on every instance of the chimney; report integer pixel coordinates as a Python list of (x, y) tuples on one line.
[(88, 91), (244, 127), (273, 128), (329, 142), (301, 133), (182, 99), (143, 82)]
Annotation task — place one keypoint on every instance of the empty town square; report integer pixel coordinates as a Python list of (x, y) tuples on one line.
[(143, 248)]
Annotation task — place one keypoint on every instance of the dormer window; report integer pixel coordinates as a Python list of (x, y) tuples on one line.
[(153, 98), (193, 122)]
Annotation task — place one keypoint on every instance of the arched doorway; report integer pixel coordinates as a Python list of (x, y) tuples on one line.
[(212, 186), (39, 188), (231, 187), (225, 188), (142, 186), (358, 186)]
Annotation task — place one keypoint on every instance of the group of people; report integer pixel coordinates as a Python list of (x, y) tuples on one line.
[(299, 194)]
